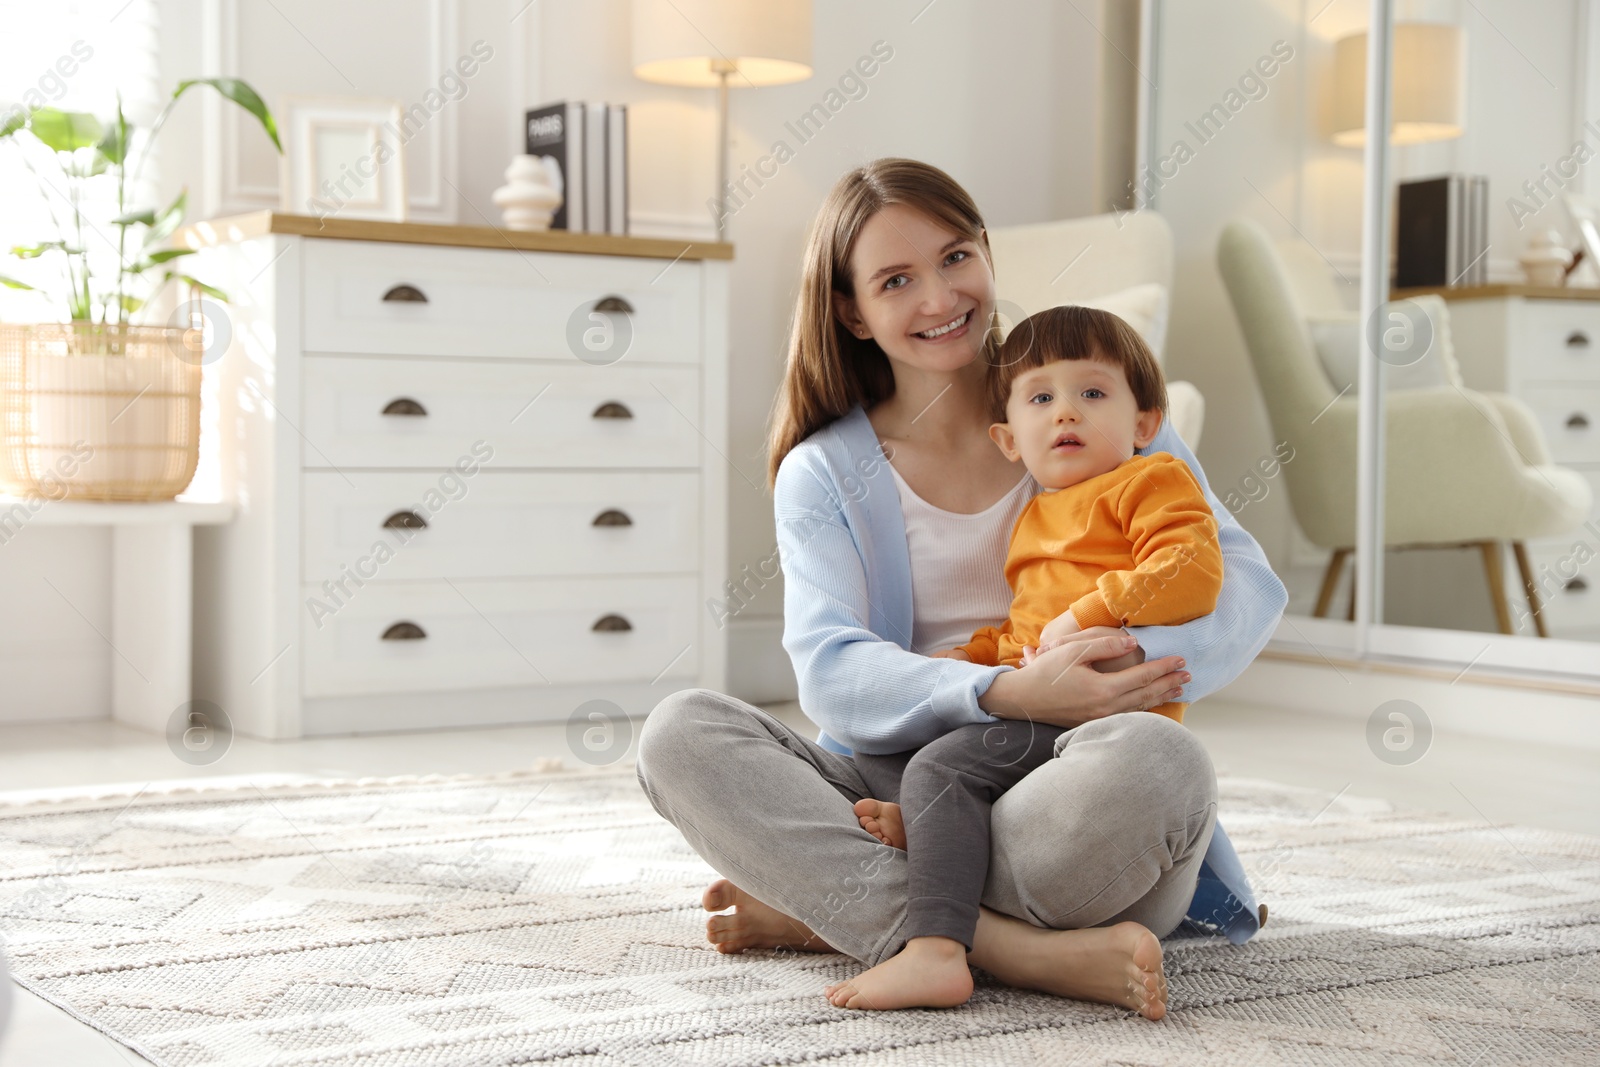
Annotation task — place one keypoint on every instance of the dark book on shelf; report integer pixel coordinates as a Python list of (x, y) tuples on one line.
[(1441, 232), (556, 131)]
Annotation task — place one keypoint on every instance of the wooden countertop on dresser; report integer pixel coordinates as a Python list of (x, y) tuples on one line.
[(232, 228), (1499, 289)]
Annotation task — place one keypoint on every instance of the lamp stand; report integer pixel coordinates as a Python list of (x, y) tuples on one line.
[(722, 68)]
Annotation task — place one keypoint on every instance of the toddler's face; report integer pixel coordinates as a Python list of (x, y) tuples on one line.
[(1071, 420)]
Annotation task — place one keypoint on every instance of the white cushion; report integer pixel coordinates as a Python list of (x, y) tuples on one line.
[(1186, 407), (1337, 339), (1144, 307)]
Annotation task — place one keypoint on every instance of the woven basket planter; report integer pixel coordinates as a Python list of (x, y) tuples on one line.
[(98, 412)]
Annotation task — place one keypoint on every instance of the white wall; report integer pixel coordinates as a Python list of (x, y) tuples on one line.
[(1006, 96), (1003, 96), (55, 588)]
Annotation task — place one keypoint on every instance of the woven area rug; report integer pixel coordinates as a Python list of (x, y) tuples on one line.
[(554, 918)]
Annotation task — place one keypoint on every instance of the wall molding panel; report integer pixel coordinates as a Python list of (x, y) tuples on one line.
[(431, 154)]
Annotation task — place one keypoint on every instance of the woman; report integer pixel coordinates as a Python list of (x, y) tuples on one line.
[(885, 481)]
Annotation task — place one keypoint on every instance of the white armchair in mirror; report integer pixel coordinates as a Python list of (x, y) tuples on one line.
[(1474, 457)]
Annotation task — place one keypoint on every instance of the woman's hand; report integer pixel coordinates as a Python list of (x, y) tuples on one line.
[(951, 653), (1065, 686)]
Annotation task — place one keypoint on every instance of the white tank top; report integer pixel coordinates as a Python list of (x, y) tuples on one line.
[(958, 581)]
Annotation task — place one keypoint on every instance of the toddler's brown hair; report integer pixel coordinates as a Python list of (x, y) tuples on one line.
[(1075, 332)]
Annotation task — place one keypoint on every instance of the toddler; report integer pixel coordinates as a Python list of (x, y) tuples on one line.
[(1113, 539)]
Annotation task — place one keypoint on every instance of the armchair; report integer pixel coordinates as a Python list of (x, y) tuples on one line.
[(1462, 468)]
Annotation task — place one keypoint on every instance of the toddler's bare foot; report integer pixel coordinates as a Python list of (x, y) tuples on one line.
[(930, 972), (881, 819), (1118, 964), (753, 924)]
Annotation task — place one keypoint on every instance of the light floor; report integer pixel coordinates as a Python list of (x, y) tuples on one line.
[(1522, 782)]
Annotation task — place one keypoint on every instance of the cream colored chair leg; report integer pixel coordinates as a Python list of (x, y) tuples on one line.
[(1330, 581), (1497, 584), (1521, 552)]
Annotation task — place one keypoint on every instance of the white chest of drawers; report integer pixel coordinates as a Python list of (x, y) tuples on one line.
[(1544, 350), (479, 476)]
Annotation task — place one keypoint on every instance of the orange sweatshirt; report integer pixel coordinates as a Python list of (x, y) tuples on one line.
[(1134, 546)]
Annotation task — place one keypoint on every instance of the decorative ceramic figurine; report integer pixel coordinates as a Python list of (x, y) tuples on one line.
[(530, 196), (1546, 260)]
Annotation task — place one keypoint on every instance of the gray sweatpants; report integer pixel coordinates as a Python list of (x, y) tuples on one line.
[(1113, 828), (946, 790)]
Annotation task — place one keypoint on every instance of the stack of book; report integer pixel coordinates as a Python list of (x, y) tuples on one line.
[(588, 144), (1442, 232)]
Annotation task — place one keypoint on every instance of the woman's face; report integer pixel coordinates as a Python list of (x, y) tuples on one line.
[(922, 291)]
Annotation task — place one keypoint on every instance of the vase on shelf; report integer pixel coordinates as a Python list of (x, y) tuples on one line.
[(98, 412), (529, 198), (1547, 260)]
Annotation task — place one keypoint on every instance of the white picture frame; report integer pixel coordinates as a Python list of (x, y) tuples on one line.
[(343, 157)]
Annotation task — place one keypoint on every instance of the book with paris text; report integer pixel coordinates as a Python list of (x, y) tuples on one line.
[(556, 132)]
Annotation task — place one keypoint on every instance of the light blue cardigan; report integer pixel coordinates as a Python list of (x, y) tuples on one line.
[(847, 624)]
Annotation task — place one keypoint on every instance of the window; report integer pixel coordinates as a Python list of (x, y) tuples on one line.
[(76, 55)]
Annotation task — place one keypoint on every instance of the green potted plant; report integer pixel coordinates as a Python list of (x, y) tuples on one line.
[(95, 406)]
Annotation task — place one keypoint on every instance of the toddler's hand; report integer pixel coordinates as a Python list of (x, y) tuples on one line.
[(1120, 663), (1105, 666), (1062, 625), (952, 653)]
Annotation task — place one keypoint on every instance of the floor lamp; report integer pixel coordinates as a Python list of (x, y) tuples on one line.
[(1428, 91), (721, 44)]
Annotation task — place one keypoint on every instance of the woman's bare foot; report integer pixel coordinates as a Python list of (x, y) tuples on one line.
[(930, 972), (1118, 964), (881, 819), (753, 924)]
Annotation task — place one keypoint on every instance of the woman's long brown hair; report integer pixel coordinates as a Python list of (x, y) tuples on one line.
[(830, 369)]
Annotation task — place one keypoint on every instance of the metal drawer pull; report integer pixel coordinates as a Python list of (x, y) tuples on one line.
[(405, 520), (404, 405), (405, 294), (404, 631), (612, 517), (612, 409), (614, 303), (1577, 421), (608, 624), (1577, 339), (1575, 585)]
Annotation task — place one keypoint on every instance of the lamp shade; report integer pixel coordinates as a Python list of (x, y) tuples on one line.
[(1428, 100), (688, 42)]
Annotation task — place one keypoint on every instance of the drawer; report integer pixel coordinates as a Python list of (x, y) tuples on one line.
[(1561, 341), (529, 414), (1567, 575), (1569, 417), (401, 299), (498, 524), (472, 634)]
